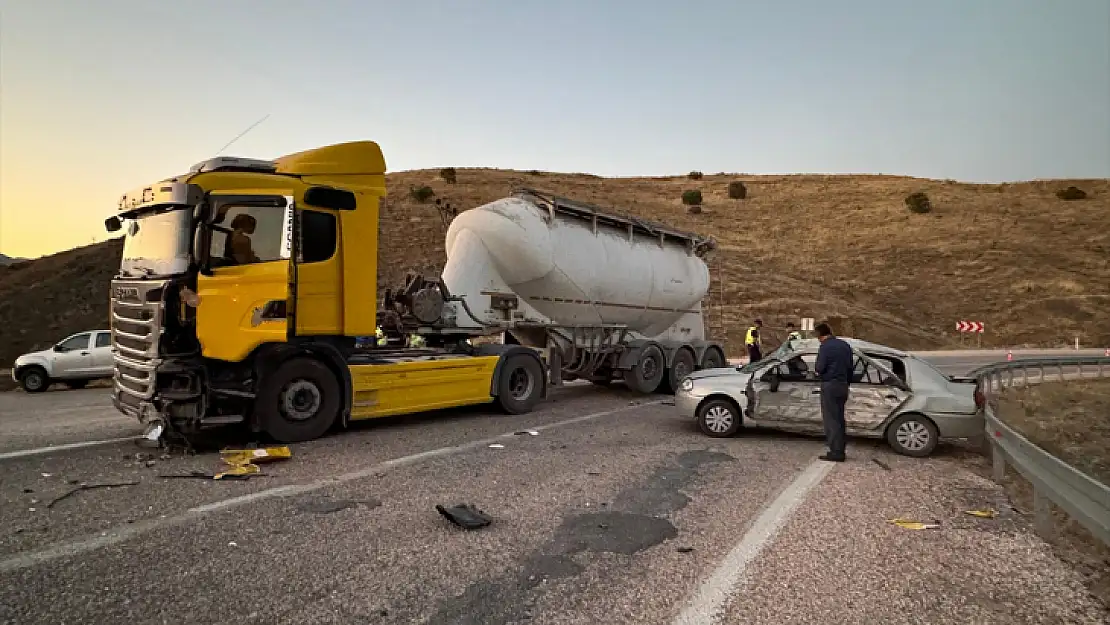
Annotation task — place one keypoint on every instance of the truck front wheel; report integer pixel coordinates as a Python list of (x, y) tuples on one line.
[(300, 401), (520, 384)]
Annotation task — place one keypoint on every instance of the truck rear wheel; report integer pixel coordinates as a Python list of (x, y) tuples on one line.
[(300, 401), (713, 358), (647, 374), (519, 384), (682, 366)]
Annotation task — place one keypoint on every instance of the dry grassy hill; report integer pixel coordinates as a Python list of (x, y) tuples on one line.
[(1034, 267)]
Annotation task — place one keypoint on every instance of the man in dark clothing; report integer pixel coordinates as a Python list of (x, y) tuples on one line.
[(834, 366)]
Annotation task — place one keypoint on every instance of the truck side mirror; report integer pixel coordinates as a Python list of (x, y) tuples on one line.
[(113, 224), (58, 348)]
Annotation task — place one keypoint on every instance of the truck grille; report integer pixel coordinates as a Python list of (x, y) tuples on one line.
[(136, 329)]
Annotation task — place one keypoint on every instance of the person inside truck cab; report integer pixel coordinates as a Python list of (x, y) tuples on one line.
[(237, 245)]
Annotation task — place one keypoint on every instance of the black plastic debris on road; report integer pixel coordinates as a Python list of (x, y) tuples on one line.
[(465, 516)]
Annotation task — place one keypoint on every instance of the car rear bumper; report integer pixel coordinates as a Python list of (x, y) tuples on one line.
[(959, 425)]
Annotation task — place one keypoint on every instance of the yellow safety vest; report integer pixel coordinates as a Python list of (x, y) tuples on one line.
[(380, 336), (750, 338), (416, 341)]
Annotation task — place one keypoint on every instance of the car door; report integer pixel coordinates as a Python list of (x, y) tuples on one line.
[(72, 357), (102, 362), (794, 403), (874, 394)]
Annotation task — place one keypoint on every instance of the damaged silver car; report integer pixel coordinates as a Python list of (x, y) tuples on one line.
[(894, 395)]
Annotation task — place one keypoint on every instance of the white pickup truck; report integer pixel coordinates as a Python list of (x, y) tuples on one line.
[(74, 361)]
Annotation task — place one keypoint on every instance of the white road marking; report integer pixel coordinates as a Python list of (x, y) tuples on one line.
[(8, 455), (120, 534), (710, 599)]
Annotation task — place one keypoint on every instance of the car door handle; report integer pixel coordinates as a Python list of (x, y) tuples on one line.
[(815, 392), (84, 353), (891, 396)]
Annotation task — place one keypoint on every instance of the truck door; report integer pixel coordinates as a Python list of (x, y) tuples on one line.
[(243, 286)]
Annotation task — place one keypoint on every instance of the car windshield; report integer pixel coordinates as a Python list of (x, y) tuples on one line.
[(779, 354), (157, 243)]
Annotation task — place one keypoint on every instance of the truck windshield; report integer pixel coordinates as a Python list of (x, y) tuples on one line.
[(157, 243)]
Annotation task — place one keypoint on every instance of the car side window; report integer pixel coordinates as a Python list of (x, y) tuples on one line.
[(81, 341), (798, 368), (870, 374), (104, 339)]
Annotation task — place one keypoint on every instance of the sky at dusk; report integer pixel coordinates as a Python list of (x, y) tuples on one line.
[(97, 98)]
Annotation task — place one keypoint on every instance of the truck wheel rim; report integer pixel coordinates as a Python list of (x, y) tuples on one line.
[(718, 419), (520, 384), (680, 371), (648, 368), (34, 381), (912, 435), (301, 400)]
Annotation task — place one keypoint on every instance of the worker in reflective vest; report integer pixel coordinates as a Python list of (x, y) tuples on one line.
[(753, 342), (382, 341), (792, 334), (415, 340)]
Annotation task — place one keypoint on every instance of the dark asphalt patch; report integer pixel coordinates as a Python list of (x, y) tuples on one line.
[(330, 506), (634, 522)]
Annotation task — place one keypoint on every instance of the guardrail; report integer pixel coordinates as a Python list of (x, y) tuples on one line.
[(1054, 481)]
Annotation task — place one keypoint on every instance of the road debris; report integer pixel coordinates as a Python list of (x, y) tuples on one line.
[(528, 432), (465, 516), (497, 446), (989, 513), (684, 549), (48, 475), (244, 462), (913, 525), (81, 487), (881, 463)]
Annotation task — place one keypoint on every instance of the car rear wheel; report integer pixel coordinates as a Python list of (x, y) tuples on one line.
[(719, 418), (34, 380), (913, 435)]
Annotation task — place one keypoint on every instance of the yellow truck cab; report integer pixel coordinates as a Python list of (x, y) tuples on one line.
[(242, 288)]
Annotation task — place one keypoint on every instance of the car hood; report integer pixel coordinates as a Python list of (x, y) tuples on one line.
[(723, 372)]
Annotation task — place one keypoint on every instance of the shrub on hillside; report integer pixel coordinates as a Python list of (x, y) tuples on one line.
[(422, 193), (919, 203), (1071, 193), (695, 175), (691, 197), (448, 174), (737, 190)]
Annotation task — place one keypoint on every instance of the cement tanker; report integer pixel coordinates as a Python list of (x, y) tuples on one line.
[(602, 295)]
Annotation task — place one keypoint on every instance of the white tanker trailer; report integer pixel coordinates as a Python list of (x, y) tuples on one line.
[(603, 296)]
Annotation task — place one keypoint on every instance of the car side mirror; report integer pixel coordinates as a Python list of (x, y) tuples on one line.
[(113, 224), (58, 348)]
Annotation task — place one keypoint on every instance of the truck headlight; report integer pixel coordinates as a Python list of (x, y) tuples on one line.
[(686, 385)]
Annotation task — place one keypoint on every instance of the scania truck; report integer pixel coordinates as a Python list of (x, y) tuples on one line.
[(244, 284)]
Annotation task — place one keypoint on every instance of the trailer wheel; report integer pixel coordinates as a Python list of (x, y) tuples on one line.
[(682, 366), (713, 358), (300, 401), (647, 374), (520, 384)]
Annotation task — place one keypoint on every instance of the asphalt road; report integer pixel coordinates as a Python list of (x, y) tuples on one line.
[(615, 511)]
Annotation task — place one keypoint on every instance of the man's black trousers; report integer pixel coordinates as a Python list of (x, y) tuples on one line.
[(834, 396)]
